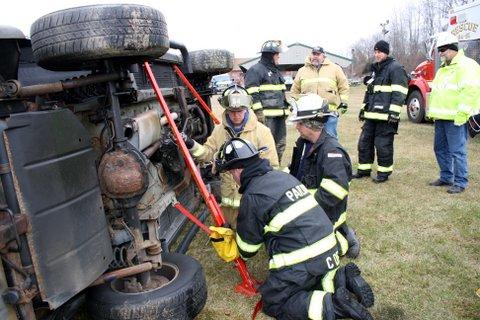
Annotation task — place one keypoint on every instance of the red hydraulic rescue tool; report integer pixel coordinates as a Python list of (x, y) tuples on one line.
[(195, 93), (247, 286)]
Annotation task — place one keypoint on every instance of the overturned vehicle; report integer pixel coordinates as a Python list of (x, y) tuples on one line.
[(89, 172)]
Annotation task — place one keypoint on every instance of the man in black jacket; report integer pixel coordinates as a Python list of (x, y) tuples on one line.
[(305, 281), (266, 85), (323, 166), (385, 95)]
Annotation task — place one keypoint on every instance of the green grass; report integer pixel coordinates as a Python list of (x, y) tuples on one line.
[(420, 245)]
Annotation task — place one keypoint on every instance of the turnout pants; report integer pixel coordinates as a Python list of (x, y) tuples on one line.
[(300, 292), (377, 135), (278, 128)]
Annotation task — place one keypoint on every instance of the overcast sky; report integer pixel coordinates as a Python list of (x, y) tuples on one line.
[(241, 26)]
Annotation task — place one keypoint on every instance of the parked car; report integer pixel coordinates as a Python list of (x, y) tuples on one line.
[(221, 82), (89, 170), (288, 82)]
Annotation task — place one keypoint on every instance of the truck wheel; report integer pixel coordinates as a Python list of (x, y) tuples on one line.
[(73, 38), (416, 107), (180, 295), (211, 61)]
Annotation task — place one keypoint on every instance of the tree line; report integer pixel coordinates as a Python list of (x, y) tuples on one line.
[(408, 31)]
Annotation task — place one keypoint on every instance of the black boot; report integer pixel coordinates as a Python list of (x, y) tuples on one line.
[(361, 174), (353, 242), (381, 178), (347, 307), (350, 278)]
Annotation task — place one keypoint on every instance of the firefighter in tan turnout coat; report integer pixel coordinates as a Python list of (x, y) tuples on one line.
[(238, 120)]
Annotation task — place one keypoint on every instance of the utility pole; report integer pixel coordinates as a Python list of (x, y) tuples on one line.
[(384, 29)]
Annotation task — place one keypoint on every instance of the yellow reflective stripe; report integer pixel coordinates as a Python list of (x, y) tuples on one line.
[(275, 112), (395, 108), (375, 115), (315, 307), (364, 166), (257, 106), (318, 80), (230, 202), (252, 90), (286, 170), (344, 97), (399, 88), (334, 188), (312, 191), (332, 107), (378, 88), (272, 87), (197, 150), (291, 213), (327, 281), (385, 169), (300, 255), (343, 243), (247, 247), (342, 219)]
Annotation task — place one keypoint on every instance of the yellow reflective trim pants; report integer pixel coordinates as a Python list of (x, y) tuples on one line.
[(376, 135), (287, 292)]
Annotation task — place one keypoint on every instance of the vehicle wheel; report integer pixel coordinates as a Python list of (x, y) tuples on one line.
[(181, 294), (211, 61), (73, 38), (416, 107)]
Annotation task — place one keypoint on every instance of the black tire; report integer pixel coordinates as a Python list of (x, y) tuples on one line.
[(416, 107), (211, 61), (74, 38), (181, 299)]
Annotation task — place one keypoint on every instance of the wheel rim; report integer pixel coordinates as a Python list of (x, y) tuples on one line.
[(159, 279), (414, 108)]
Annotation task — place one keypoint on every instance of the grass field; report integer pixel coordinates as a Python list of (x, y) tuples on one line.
[(420, 245)]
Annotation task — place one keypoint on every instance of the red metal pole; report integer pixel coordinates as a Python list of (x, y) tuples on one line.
[(191, 217), (195, 94), (247, 287)]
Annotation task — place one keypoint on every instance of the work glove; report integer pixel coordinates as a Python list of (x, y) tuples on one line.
[(260, 115), (342, 107), (223, 241), (393, 118), (474, 125), (361, 115), (460, 118), (189, 142)]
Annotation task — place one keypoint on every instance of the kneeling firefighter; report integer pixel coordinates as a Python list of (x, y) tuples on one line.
[(305, 281), (323, 166), (238, 120)]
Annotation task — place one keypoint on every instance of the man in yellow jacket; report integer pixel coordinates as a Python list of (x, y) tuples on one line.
[(454, 98), (238, 120), (327, 79)]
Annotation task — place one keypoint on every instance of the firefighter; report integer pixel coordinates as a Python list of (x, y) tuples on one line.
[(454, 98), (305, 281), (266, 85), (323, 166), (327, 79), (384, 97), (238, 120)]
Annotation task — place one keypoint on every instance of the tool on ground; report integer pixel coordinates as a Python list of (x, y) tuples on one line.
[(195, 94), (247, 286)]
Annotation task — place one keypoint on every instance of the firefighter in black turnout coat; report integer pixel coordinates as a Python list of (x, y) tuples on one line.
[(323, 166), (305, 281), (385, 95)]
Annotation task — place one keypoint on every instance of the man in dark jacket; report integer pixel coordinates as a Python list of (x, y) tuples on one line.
[(385, 95), (305, 281), (323, 166), (266, 85)]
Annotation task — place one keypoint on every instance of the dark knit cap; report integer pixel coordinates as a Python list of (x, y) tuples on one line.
[(382, 46), (451, 46)]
